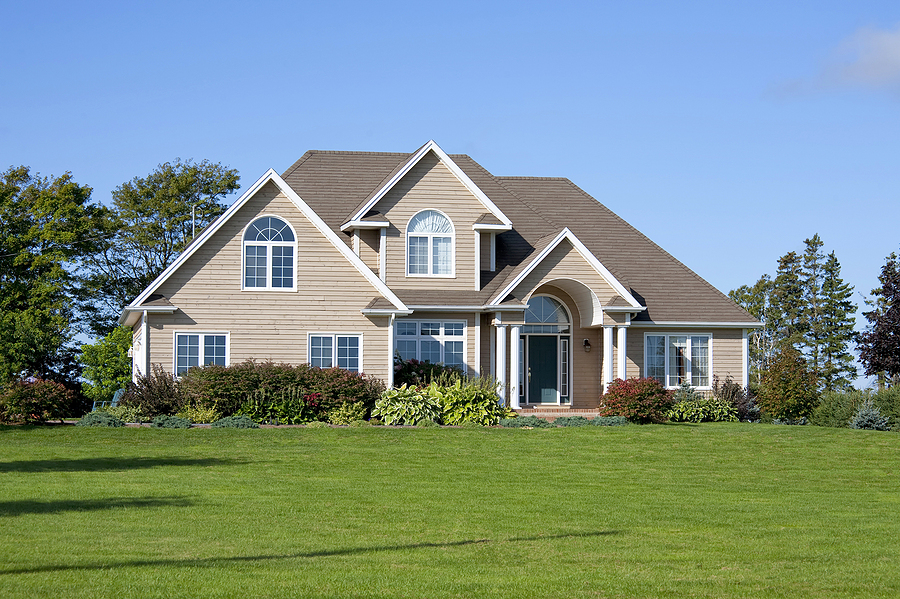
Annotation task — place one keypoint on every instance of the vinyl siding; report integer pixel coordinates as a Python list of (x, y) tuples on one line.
[(269, 325), (369, 240), (727, 358)]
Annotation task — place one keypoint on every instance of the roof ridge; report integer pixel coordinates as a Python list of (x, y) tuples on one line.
[(403, 159), (499, 181)]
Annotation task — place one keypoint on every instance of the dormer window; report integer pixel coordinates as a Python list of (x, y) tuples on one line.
[(429, 245), (269, 246)]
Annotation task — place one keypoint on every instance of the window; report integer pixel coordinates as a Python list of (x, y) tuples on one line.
[(429, 245), (269, 247), (433, 341), (343, 351), (200, 349), (674, 359)]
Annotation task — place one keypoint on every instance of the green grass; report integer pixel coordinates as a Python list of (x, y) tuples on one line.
[(720, 510)]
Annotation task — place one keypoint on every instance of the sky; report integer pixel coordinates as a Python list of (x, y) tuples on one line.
[(726, 133)]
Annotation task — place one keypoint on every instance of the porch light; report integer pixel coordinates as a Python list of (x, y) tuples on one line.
[(587, 345)]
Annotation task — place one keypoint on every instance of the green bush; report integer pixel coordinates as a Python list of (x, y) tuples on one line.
[(837, 408), (468, 401), (639, 400), (167, 421), (358, 423), (869, 417), (155, 394), (288, 406), (199, 414), (741, 398), (417, 373), (610, 421), (691, 406), (406, 405), (347, 413), (525, 422), (317, 424), (787, 388), (571, 421), (802, 421), (125, 413), (234, 422), (99, 419), (107, 367), (37, 400), (427, 424)]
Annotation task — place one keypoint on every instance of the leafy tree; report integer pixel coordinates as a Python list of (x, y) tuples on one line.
[(47, 227), (757, 300), (879, 344), (788, 388), (836, 370), (107, 366), (153, 219)]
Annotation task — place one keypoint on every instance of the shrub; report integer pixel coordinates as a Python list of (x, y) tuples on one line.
[(417, 373), (37, 400), (167, 421), (802, 421), (317, 424), (347, 413), (358, 423), (199, 414), (427, 424), (470, 424), (741, 398), (125, 413), (610, 421), (571, 421), (869, 417), (837, 408), (107, 367), (154, 394), (525, 422), (639, 400), (99, 419), (293, 405), (234, 422), (468, 401), (691, 406), (788, 387), (406, 405)]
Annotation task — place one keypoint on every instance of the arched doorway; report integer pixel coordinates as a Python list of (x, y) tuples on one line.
[(545, 357)]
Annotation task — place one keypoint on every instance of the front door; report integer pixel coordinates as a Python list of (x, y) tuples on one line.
[(542, 369)]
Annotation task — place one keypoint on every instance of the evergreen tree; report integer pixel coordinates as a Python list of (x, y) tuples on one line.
[(837, 370), (757, 300), (879, 344), (788, 313), (813, 318)]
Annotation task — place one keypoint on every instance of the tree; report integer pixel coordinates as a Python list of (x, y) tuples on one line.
[(813, 319), (788, 388), (47, 227), (879, 344), (107, 366), (788, 315), (836, 371), (757, 300), (153, 219)]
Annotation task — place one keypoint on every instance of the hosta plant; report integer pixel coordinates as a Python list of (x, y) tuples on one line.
[(406, 405)]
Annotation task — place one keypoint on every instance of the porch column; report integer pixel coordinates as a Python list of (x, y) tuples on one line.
[(607, 368), (745, 358), (514, 367), (621, 353), (501, 359)]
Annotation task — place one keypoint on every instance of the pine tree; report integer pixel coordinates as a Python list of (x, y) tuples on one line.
[(837, 370), (879, 345), (757, 300), (788, 313), (812, 276)]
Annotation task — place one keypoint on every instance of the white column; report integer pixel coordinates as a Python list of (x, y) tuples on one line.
[(745, 358), (607, 376), (621, 353), (382, 249), (356, 241), (501, 358), (477, 344), (390, 356), (477, 281), (493, 251), (514, 367)]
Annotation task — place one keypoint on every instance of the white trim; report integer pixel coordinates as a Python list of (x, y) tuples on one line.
[(356, 241), (493, 251), (687, 334), (334, 347), (491, 227), (607, 368), (269, 257), (430, 236), (515, 334), (309, 213), (441, 338), (384, 312), (477, 281), (125, 318), (585, 253), (365, 224), (431, 146), (501, 359), (382, 253), (698, 325), (492, 341), (621, 352), (745, 358), (477, 326), (145, 346), (390, 350), (200, 357)]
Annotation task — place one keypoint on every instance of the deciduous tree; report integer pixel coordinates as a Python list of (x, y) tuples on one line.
[(879, 344)]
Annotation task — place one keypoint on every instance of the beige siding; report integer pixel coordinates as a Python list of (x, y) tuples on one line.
[(727, 353), (467, 317), (269, 325), (369, 240), (431, 185)]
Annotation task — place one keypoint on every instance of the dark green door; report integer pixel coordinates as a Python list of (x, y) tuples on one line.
[(542, 365)]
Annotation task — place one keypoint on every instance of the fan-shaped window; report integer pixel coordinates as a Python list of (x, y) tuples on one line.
[(429, 245), (269, 247), (545, 315)]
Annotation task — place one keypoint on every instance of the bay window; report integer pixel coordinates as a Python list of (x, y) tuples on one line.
[(433, 341), (678, 358)]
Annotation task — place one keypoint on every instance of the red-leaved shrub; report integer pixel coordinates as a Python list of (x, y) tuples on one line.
[(639, 400), (37, 400)]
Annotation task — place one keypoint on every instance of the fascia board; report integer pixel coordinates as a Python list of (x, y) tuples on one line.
[(585, 253), (384, 312), (624, 309), (432, 146), (695, 324), (364, 224), (304, 208), (478, 227), (128, 311)]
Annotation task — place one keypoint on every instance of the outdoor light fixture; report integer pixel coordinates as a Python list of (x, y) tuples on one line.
[(587, 345)]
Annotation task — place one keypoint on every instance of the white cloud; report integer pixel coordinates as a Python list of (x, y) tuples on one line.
[(869, 58)]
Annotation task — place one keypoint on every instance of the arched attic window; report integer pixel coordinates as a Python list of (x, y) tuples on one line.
[(430, 245), (269, 246)]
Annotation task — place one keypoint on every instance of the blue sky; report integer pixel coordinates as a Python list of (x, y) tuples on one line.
[(727, 134)]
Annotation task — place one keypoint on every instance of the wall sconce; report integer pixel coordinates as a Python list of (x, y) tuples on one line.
[(587, 345)]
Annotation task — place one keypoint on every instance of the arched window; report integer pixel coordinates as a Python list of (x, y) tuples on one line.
[(269, 246), (429, 245), (545, 315)]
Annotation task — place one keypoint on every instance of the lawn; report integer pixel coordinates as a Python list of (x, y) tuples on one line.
[(716, 510)]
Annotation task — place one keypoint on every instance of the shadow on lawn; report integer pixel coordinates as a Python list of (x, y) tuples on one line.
[(31, 506), (107, 463), (222, 561)]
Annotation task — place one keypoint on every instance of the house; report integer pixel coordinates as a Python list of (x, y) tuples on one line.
[(349, 258)]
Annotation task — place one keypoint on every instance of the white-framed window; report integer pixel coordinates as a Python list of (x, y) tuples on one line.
[(200, 349), (435, 341), (430, 245), (327, 350), (269, 252), (674, 358)]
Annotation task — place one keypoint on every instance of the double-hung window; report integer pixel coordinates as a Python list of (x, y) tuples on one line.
[(343, 351), (200, 349), (435, 341), (429, 245), (269, 255), (679, 358)]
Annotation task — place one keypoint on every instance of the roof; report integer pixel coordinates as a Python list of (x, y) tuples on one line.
[(338, 185)]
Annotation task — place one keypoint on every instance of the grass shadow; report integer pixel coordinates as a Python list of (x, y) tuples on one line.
[(100, 464), (31, 506), (221, 561)]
